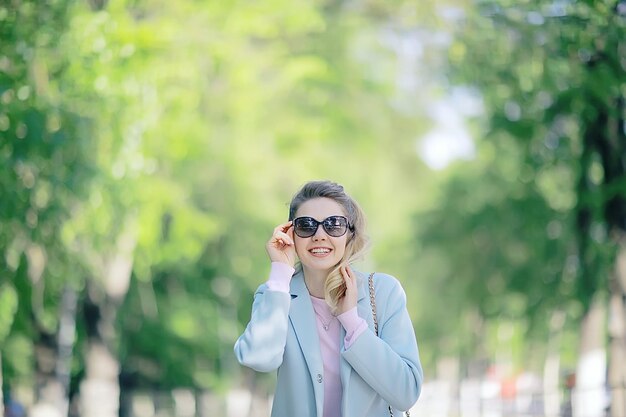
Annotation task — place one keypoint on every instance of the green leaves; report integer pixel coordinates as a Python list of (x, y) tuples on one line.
[(185, 127), (525, 226), (8, 307)]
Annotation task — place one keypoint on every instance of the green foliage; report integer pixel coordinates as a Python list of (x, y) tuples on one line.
[(8, 306), (524, 230), (178, 131), (46, 168)]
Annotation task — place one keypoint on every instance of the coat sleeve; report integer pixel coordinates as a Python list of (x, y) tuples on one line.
[(262, 344), (390, 363)]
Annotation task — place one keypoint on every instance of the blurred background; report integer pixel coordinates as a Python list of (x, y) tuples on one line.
[(149, 147)]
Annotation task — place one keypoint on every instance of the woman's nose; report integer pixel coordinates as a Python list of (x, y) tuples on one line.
[(320, 233)]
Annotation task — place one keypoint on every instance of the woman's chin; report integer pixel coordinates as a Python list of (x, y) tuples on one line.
[(319, 265)]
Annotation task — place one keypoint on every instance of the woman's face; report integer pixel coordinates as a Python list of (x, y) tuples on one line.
[(321, 251)]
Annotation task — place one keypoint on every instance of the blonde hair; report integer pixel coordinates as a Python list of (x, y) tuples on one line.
[(357, 244)]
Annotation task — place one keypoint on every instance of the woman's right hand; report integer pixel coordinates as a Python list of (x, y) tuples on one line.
[(281, 247)]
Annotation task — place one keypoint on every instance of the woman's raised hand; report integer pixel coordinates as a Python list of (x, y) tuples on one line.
[(280, 247), (350, 298)]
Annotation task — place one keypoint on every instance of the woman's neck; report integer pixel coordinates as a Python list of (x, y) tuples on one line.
[(315, 281)]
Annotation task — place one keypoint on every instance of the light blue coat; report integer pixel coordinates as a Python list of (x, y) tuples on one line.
[(375, 371)]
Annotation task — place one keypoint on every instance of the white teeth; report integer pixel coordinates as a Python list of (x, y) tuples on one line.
[(320, 250)]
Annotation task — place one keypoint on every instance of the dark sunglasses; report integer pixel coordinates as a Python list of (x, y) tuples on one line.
[(334, 226)]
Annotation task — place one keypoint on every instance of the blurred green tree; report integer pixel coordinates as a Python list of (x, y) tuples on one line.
[(162, 143), (47, 166), (544, 222)]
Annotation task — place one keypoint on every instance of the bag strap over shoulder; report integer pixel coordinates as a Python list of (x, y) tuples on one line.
[(373, 301), (370, 282)]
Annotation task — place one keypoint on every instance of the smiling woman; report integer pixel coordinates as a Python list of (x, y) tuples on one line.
[(319, 251), (314, 319)]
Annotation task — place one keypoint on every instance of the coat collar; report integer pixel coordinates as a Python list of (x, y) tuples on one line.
[(302, 318), (364, 310)]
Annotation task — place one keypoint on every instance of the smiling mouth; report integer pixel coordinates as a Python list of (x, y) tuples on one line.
[(320, 251)]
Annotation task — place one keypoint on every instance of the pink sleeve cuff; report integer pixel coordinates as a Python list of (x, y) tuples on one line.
[(280, 277), (353, 324)]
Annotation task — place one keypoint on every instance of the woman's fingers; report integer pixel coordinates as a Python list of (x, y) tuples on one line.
[(349, 279), (350, 298), (348, 275), (283, 227), (282, 238), (280, 247), (289, 231), (281, 234)]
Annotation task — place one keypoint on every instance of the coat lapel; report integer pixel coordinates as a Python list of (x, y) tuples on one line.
[(364, 310), (302, 319)]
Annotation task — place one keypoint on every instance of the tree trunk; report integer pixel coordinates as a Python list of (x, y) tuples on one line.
[(589, 397), (552, 367), (54, 359), (100, 390), (65, 340), (211, 404), (617, 334), (48, 390), (184, 402)]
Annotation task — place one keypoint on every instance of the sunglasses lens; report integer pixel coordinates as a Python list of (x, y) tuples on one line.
[(336, 226), (305, 226)]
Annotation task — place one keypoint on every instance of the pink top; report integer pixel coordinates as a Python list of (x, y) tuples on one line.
[(329, 331)]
